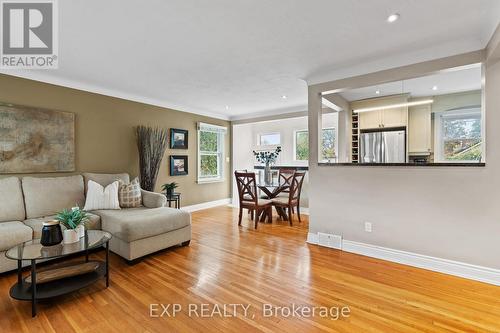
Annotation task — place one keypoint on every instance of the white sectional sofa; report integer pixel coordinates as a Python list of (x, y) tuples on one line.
[(27, 202)]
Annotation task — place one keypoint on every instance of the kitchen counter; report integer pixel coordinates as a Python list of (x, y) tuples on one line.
[(277, 167)]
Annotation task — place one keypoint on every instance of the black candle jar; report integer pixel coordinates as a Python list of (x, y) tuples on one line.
[(51, 233)]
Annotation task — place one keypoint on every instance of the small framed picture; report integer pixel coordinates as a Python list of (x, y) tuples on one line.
[(178, 165), (178, 138)]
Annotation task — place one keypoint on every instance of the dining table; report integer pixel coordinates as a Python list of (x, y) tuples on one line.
[(272, 190)]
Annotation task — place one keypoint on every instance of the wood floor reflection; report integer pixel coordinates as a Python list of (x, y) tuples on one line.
[(227, 264)]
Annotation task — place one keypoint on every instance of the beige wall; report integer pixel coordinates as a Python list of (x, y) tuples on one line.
[(105, 139), (446, 212)]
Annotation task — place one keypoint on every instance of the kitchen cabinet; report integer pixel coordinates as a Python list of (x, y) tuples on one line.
[(371, 119), (419, 130), (384, 118), (395, 117)]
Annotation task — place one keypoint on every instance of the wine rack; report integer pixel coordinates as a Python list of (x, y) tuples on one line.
[(355, 138)]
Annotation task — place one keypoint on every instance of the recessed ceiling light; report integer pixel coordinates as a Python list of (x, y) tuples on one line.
[(393, 18), (377, 92), (227, 107), (435, 88), (284, 96)]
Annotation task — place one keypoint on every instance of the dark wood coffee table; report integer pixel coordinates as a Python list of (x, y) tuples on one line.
[(59, 279)]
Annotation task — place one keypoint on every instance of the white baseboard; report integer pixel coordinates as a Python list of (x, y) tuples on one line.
[(461, 269), (206, 205), (312, 238)]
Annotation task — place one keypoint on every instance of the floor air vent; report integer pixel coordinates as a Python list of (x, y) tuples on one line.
[(329, 240)]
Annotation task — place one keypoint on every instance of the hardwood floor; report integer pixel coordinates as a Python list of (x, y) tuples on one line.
[(271, 265)]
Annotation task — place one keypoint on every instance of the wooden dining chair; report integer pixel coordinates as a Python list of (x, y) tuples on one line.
[(247, 193), (250, 211), (293, 199), (285, 177)]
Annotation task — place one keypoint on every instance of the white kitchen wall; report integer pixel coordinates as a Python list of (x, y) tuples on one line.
[(246, 139), (287, 129)]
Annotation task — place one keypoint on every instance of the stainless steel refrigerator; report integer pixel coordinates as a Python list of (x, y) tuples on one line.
[(385, 146)]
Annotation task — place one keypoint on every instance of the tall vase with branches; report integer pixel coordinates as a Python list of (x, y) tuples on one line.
[(267, 158), (151, 143)]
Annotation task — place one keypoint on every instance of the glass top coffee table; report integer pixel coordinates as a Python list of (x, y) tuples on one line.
[(58, 279)]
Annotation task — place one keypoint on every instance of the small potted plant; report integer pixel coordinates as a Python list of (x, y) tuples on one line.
[(169, 188), (73, 220)]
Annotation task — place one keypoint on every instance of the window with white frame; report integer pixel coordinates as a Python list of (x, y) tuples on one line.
[(269, 139), (210, 152), (301, 145), (458, 135)]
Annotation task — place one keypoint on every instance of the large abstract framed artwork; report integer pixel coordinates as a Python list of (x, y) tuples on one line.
[(36, 140)]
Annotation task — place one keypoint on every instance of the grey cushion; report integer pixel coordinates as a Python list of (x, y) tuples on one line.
[(137, 223), (13, 233), (261, 202), (104, 179), (94, 223), (153, 199), (282, 200), (47, 196), (11, 200)]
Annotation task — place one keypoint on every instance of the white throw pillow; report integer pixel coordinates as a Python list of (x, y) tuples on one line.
[(99, 197)]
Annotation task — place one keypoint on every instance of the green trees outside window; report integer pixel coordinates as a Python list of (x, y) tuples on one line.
[(209, 154), (462, 138), (327, 145)]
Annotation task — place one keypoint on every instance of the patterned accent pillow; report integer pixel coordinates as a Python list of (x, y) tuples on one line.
[(129, 195)]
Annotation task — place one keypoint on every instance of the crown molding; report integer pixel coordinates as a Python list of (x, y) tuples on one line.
[(96, 89)]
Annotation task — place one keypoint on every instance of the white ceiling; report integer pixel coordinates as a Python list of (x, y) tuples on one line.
[(446, 83), (199, 56)]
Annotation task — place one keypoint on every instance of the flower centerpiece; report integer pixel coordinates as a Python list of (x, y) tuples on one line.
[(73, 220), (267, 158)]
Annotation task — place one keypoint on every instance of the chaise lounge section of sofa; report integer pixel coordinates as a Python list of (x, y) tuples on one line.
[(143, 230)]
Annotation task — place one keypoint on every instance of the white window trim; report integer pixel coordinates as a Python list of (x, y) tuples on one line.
[(221, 132), (438, 142), (307, 130), (268, 133), (295, 144)]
